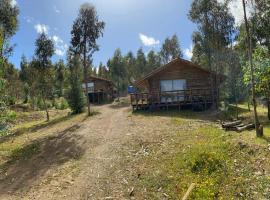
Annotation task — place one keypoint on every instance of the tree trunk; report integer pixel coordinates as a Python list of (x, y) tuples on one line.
[(46, 108), (85, 78), (118, 88), (258, 128), (268, 107)]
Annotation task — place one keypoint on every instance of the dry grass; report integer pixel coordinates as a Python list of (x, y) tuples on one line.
[(173, 150)]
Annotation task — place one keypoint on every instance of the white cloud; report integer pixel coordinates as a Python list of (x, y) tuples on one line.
[(42, 28), (60, 46), (13, 3), (236, 8), (56, 9), (148, 41), (188, 52)]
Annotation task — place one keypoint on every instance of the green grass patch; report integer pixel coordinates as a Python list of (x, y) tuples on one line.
[(26, 152)]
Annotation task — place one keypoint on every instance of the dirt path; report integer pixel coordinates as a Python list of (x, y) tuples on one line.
[(76, 163)]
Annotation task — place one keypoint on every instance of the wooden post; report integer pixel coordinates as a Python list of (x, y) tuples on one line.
[(136, 98)]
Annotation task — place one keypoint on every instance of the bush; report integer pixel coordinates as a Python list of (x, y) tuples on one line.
[(61, 103), (41, 105), (206, 163), (75, 96)]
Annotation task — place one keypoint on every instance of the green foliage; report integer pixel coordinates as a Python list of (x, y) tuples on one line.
[(262, 70), (211, 41), (8, 26), (206, 163), (26, 152), (75, 96), (60, 103), (43, 105), (60, 77), (44, 51), (170, 50)]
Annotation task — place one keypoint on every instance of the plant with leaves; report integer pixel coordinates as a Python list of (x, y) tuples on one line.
[(117, 70), (140, 64), (153, 61), (44, 51), (130, 66), (75, 95), (8, 26), (170, 49), (211, 40), (261, 20), (259, 131), (87, 28), (60, 74), (261, 73)]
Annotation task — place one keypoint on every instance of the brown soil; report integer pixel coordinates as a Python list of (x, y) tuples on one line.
[(74, 163)]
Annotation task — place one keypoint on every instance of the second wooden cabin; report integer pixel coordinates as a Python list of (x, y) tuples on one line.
[(177, 83), (99, 89)]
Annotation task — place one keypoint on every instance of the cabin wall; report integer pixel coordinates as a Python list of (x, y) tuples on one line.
[(195, 78), (103, 91)]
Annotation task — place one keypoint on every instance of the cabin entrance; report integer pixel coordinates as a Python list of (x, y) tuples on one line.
[(97, 97)]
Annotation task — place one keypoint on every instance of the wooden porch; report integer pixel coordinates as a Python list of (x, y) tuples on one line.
[(196, 98)]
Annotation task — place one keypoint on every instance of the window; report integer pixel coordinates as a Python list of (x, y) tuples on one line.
[(172, 85), (90, 87)]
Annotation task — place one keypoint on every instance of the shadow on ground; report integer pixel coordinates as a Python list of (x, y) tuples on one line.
[(28, 164), (188, 113)]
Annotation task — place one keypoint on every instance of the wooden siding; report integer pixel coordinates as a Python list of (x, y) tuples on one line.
[(194, 77)]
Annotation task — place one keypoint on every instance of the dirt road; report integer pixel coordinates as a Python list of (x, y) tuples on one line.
[(81, 162)]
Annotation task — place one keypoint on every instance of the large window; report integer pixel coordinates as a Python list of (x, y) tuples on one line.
[(90, 87), (172, 85)]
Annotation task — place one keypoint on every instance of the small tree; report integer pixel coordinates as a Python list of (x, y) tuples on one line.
[(85, 31), (76, 99), (170, 49), (44, 52), (259, 132), (60, 77), (8, 26), (261, 74), (117, 70)]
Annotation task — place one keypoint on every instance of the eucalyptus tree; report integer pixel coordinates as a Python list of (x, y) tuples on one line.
[(117, 70), (75, 96), (60, 74), (87, 28), (170, 49), (140, 64), (153, 61), (215, 26), (43, 54), (259, 130), (8, 26), (261, 23)]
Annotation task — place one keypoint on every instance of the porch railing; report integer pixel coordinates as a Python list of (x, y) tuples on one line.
[(188, 96)]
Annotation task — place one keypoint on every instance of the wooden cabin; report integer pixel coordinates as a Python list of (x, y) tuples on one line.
[(178, 83), (99, 89)]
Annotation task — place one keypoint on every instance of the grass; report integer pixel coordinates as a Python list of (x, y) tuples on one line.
[(223, 165), (20, 143)]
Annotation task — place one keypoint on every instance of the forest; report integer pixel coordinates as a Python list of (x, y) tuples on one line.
[(241, 52)]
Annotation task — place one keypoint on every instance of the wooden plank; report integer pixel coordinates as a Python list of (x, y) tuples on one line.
[(191, 187)]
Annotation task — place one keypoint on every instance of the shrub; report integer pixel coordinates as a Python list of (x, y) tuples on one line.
[(206, 163), (41, 105), (75, 96), (61, 103)]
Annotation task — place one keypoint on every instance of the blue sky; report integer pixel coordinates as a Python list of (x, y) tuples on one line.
[(130, 24)]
